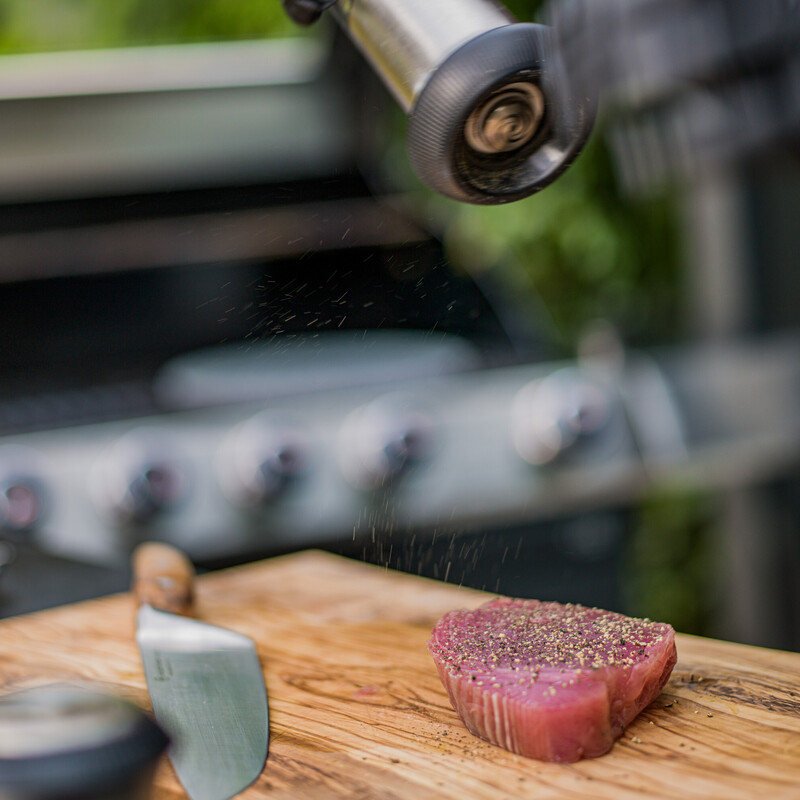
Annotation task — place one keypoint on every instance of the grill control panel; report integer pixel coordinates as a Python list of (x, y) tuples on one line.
[(474, 449), (250, 478)]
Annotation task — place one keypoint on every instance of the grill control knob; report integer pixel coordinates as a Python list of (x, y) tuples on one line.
[(382, 440), (261, 459), (23, 493), (553, 415), (140, 478)]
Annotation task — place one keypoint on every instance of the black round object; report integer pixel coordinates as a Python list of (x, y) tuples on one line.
[(306, 12), (61, 742), (465, 81)]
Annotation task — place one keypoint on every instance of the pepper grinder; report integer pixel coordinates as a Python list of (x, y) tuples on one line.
[(63, 742)]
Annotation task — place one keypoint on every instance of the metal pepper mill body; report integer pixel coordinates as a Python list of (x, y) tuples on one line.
[(491, 115)]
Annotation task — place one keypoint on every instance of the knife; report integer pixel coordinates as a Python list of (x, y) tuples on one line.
[(205, 682)]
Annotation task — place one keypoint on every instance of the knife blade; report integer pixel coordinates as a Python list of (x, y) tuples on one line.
[(205, 682)]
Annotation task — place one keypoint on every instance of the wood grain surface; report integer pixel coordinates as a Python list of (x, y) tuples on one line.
[(357, 709)]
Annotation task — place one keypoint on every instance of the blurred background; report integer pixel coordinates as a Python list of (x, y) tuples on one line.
[(234, 319)]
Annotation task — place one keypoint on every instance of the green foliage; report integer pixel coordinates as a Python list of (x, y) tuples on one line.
[(580, 248), (523, 10), (46, 25), (671, 568)]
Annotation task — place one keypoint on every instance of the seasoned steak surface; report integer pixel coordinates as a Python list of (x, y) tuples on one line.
[(550, 681)]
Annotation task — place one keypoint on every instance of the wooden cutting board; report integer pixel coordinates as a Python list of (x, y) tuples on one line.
[(357, 709)]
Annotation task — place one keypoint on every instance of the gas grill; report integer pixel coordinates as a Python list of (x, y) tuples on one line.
[(224, 328)]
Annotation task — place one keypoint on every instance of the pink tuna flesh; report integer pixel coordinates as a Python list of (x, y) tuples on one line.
[(550, 681)]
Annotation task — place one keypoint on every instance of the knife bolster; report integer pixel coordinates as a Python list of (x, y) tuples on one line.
[(163, 578)]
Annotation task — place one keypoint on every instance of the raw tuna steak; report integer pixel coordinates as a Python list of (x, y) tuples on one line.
[(550, 681)]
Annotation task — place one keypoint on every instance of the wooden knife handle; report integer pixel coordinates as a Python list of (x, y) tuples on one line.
[(163, 577)]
